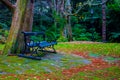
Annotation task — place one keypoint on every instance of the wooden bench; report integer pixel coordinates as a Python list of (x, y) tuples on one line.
[(37, 43)]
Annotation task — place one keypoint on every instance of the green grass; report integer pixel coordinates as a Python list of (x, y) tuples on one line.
[(112, 73), (112, 49), (18, 65), (24, 68)]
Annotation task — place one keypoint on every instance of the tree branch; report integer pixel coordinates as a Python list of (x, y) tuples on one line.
[(80, 7), (84, 4), (8, 4), (50, 3), (100, 3)]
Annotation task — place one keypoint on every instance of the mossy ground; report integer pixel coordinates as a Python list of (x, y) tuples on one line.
[(106, 49), (72, 62), (1, 46)]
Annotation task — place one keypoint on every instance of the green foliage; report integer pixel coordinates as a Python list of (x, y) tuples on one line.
[(80, 33), (3, 29), (115, 37), (51, 36), (74, 19), (60, 21), (1, 46), (36, 38), (5, 16), (114, 21), (3, 26), (3, 32), (62, 39), (114, 7)]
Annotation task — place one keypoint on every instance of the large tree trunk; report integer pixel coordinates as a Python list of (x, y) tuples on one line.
[(21, 21), (27, 25), (103, 22)]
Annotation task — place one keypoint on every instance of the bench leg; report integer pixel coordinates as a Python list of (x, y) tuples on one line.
[(53, 49)]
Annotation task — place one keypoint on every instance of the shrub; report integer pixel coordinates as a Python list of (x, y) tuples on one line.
[(62, 39)]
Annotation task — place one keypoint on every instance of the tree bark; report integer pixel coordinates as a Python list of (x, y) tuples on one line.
[(69, 28), (21, 21), (27, 25), (103, 22), (70, 38)]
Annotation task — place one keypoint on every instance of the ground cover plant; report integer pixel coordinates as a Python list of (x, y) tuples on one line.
[(82, 29), (1, 46), (106, 49), (74, 61)]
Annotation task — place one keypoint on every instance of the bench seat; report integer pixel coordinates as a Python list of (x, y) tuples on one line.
[(36, 43), (41, 44), (46, 44)]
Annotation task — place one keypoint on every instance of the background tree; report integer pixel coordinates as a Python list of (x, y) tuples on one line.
[(62, 10), (103, 21), (50, 17), (89, 3)]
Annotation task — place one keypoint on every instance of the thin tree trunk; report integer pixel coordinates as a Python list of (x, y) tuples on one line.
[(103, 22), (70, 38), (21, 21)]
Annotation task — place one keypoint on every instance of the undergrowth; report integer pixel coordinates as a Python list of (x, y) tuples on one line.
[(107, 49)]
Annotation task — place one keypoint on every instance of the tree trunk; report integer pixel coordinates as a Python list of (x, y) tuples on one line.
[(69, 28), (21, 21), (70, 38), (27, 25), (103, 22)]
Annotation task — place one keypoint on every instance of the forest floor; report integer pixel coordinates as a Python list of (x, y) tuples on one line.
[(70, 63)]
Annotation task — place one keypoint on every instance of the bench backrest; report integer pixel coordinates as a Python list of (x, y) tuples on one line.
[(33, 33), (29, 35)]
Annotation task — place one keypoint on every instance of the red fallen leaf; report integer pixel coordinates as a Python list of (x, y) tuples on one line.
[(106, 75), (37, 77), (4, 76), (97, 63), (46, 74), (14, 75), (83, 54)]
